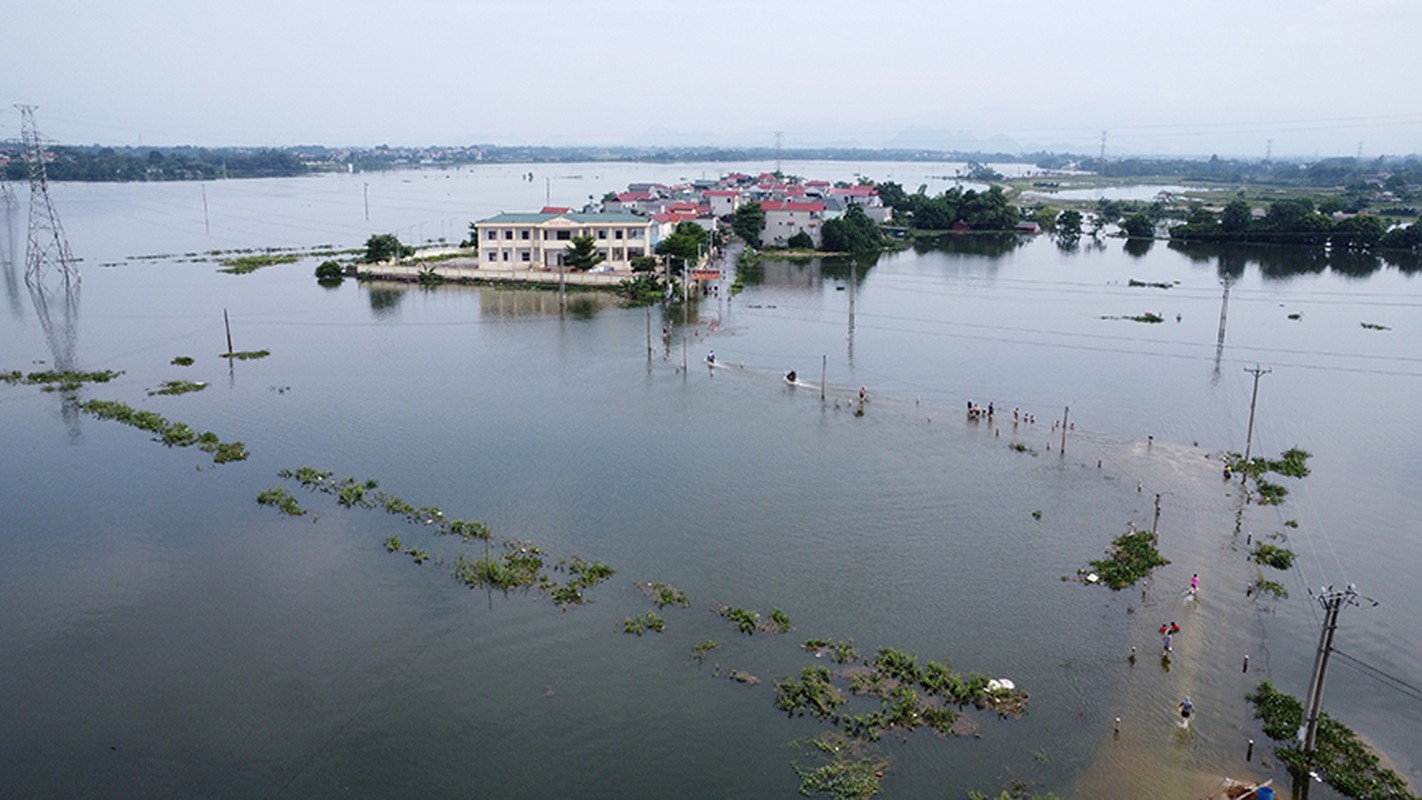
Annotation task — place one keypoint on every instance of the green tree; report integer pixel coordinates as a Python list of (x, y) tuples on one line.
[(385, 247), (1069, 224), (582, 253), (685, 244), (801, 241), (748, 221), (1235, 217), (329, 272), (852, 233), (1139, 226)]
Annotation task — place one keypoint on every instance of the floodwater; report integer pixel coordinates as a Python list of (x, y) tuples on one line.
[(166, 636)]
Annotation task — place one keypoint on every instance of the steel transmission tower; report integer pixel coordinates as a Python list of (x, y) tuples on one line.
[(47, 248)]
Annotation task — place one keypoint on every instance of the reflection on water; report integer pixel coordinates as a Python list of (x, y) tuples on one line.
[(246, 653)]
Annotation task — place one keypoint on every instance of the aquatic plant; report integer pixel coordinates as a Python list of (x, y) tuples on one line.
[(664, 594), (812, 693), (586, 574), (467, 530), (172, 434), (1292, 462), (245, 264), (282, 500), (1037, 515), (780, 621), (1146, 285), (393, 545), (841, 652), (419, 555), (518, 567), (178, 387), (182, 361), (1273, 555), (1270, 493), (1131, 557), (228, 451), (246, 355), (647, 622), (700, 651), (65, 380), (896, 664), (1340, 757), (1373, 326), (1262, 585)]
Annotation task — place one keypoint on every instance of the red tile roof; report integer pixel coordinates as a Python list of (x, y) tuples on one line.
[(555, 210), (790, 205), (855, 191)]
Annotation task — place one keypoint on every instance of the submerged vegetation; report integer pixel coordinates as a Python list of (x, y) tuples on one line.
[(647, 622), (1340, 758), (242, 265), (182, 361), (172, 434), (849, 771), (1292, 463), (750, 622), (246, 355), (1273, 555), (519, 565), (59, 380), (178, 387), (1130, 557), (283, 500), (664, 594)]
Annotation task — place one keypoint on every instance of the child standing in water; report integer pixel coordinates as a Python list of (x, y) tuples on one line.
[(1194, 584), (1186, 709)]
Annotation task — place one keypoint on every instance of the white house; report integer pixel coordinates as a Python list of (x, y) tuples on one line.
[(785, 218), (537, 241)]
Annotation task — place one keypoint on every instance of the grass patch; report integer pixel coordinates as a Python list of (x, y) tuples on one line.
[(750, 622), (1373, 326), (178, 387), (812, 694), (245, 264), (1130, 557), (1147, 285), (182, 361), (520, 566), (246, 355), (59, 380), (1340, 757), (1264, 586), (700, 651)]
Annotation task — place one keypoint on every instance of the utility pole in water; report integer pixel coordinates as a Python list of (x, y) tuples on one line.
[(1331, 601), (1249, 434)]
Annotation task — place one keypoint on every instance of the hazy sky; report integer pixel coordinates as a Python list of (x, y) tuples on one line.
[(1317, 77)]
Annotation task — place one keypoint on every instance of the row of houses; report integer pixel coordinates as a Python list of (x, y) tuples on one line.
[(630, 223)]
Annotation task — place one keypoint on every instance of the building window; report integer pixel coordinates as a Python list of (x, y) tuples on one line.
[(617, 234), (616, 254), (508, 233), (523, 234), (492, 235), (602, 233), (525, 256), (634, 252), (506, 255), (635, 233), (564, 236), (493, 255)]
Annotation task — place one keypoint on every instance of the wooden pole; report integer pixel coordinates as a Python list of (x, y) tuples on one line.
[(649, 333), (1155, 524), (824, 367), (228, 325)]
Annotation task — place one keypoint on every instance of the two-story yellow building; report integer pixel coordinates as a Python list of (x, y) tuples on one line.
[(540, 240)]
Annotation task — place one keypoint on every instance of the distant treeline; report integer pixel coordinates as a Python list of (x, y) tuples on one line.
[(1296, 221), (94, 163), (1392, 173)]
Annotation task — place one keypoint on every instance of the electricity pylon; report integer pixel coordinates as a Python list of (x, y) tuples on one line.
[(47, 248)]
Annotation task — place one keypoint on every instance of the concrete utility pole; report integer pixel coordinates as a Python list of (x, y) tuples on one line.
[(1331, 601), (1249, 435)]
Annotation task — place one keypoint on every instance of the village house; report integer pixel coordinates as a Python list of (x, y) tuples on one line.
[(867, 198), (541, 240), (785, 218), (723, 202)]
